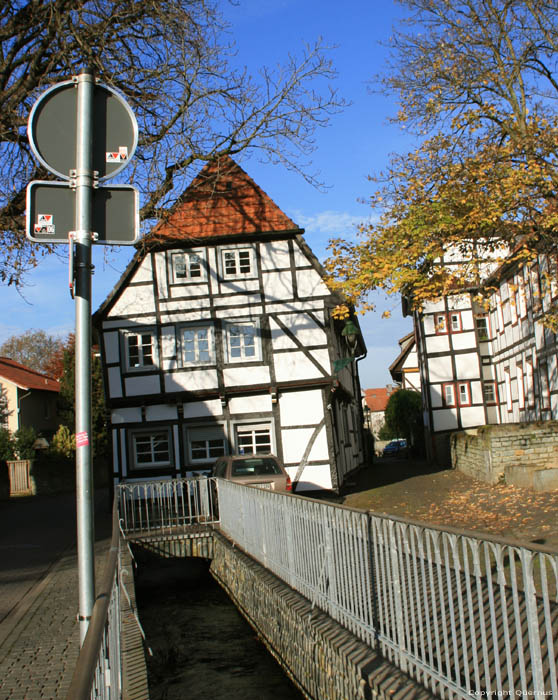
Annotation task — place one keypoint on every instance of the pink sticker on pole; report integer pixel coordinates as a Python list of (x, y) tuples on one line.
[(82, 439)]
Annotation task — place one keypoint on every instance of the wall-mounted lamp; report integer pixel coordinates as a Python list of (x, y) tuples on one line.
[(351, 333)]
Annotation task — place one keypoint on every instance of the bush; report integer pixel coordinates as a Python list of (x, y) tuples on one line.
[(24, 441), (7, 449), (63, 443)]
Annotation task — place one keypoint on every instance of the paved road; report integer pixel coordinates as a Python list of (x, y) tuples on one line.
[(39, 634)]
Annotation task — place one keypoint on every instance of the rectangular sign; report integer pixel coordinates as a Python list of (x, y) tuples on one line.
[(51, 213)]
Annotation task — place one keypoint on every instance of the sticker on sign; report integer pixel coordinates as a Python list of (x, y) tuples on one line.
[(118, 156)]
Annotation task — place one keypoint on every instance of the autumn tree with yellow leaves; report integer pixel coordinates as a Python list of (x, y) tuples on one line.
[(477, 84)]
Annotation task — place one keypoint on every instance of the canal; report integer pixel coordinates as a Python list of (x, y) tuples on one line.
[(202, 647)]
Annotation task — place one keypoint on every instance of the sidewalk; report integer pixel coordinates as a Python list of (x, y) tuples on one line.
[(446, 497), (39, 634)]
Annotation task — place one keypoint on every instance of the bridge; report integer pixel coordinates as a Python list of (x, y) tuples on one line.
[(453, 615)]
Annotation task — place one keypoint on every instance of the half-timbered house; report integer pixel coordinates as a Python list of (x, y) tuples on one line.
[(495, 364), (219, 338)]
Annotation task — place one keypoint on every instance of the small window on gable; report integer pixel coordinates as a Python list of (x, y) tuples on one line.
[(238, 262), (188, 267), (140, 350)]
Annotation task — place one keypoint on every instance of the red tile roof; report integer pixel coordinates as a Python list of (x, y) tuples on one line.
[(26, 378), (376, 399), (221, 201)]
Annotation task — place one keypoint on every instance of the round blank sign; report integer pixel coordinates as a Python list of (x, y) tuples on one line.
[(52, 130)]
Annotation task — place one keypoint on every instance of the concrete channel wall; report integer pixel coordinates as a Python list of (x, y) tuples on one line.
[(323, 659)]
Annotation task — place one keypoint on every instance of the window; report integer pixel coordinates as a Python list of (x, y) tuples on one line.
[(188, 267), (151, 449), (205, 443), (243, 342), (481, 323), (464, 394), (455, 322), (441, 323), (140, 350), (449, 394), (489, 392), (238, 263), (456, 393), (198, 347), (451, 321), (251, 439)]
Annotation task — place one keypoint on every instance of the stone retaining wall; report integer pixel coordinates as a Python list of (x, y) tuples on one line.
[(520, 454), (323, 659)]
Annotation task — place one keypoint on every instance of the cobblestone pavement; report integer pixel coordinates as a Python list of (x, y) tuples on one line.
[(39, 634)]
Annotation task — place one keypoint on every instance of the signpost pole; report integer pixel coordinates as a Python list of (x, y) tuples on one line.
[(83, 236)]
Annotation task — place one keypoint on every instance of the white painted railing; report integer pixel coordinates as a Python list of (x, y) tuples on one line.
[(465, 616)]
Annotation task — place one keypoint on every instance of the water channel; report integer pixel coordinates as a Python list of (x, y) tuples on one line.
[(202, 647)]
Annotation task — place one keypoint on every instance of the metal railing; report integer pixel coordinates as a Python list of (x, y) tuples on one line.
[(138, 507), (465, 616), (154, 506), (97, 675)]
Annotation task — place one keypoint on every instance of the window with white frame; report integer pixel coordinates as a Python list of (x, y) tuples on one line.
[(205, 443), (456, 393), (252, 439), (140, 349), (188, 267), (464, 393), (455, 322), (448, 322), (441, 323), (238, 262), (489, 392), (198, 345), (243, 341), (481, 323), (448, 392), (151, 449)]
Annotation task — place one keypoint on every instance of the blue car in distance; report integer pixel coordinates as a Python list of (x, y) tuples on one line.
[(394, 447)]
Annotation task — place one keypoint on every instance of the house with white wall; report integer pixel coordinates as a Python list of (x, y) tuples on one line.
[(489, 363), (405, 368), (219, 338), (28, 398)]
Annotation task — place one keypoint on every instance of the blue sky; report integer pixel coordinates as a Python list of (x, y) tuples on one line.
[(357, 144)]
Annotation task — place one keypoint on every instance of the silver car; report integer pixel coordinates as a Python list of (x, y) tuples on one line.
[(262, 470)]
